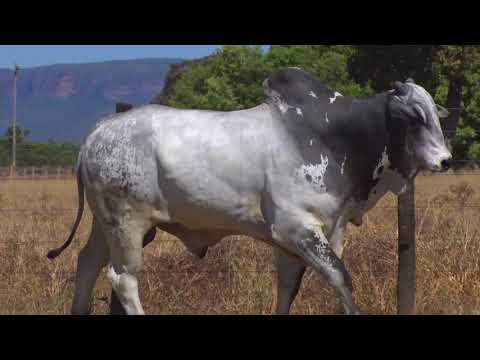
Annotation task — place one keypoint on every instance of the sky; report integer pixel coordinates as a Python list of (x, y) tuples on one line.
[(38, 55)]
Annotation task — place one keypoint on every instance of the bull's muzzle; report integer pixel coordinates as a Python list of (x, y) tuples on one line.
[(446, 164)]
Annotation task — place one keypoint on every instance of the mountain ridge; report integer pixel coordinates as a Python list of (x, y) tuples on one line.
[(62, 102), (95, 63)]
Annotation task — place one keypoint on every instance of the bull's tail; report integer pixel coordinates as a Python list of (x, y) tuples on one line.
[(56, 252)]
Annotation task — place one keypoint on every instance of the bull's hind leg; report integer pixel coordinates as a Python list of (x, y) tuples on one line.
[(116, 307), (290, 272), (126, 244), (92, 258)]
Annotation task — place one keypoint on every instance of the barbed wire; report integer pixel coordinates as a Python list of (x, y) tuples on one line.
[(42, 211), (52, 274), (51, 211)]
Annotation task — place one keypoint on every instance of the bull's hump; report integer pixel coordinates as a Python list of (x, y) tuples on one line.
[(296, 86)]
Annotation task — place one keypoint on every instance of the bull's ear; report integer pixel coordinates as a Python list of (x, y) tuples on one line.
[(399, 88), (410, 81), (442, 112)]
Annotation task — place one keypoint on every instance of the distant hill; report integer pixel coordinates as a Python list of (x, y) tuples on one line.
[(63, 102)]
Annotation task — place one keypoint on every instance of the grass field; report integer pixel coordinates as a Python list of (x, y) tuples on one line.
[(238, 276)]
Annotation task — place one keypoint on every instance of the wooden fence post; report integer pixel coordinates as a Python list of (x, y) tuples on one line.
[(406, 252), (116, 307)]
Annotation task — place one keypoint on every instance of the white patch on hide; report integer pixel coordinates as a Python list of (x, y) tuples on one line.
[(390, 181), (312, 94), (276, 98), (326, 117), (274, 233), (311, 142), (320, 244), (342, 169), (402, 190), (384, 162), (299, 112), (316, 173), (283, 107), (335, 97)]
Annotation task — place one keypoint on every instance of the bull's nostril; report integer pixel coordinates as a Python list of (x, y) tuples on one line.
[(446, 164)]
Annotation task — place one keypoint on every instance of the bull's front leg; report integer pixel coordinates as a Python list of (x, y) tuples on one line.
[(337, 241), (315, 249), (309, 243)]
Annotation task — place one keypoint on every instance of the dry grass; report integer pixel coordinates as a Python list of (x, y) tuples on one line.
[(237, 276)]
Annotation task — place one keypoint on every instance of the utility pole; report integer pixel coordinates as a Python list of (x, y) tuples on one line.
[(14, 128)]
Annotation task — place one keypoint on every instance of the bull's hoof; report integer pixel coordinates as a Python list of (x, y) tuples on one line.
[(348, 310), (354, 311)]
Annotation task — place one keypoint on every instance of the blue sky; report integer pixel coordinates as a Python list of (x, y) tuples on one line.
[(38, 55)]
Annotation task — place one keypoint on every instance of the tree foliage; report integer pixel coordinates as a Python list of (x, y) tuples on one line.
[(381, 65), (20, 134), (39, 154), (466, 143), (232, 78), (458, 65), (328, 62), (456, 62)]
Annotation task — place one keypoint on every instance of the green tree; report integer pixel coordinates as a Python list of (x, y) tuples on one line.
[(456, 64), (381, 65), (39, 154), (20, 134), (328, 63), (229, 80), (176, 72), (232, 78), (466, 144)]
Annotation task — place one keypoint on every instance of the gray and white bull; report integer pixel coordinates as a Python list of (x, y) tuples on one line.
[(292, 172)]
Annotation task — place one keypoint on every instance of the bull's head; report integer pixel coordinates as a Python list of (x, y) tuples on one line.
[(415, 124)]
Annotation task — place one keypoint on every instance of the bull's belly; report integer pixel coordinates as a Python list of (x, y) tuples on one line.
[(238, 214), (202, 191)]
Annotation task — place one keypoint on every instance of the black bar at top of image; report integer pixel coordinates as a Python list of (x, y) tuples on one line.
[(238, 24)]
